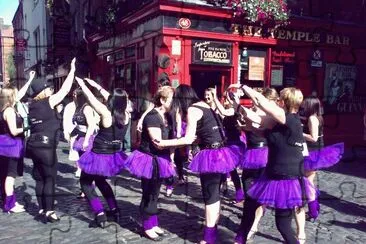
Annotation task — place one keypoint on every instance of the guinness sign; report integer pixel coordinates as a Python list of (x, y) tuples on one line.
[(209, 52)]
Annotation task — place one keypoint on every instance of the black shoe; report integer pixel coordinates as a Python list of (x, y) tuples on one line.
[(113, 215), (101, 220), (39, 217), (50, 218), (158, 238)]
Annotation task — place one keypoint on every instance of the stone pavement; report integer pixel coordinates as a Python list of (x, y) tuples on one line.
[(342, 219)]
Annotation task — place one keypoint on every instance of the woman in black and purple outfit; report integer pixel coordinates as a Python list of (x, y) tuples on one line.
[(151, 164), (106, 158), (213, 162)]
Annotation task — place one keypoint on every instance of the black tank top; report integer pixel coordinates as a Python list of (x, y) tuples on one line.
[(231, 131), (319, 143), (209, 128), (109, 140), (79, 116), (153, 119), (4, 128), (285, 159), (254, 140), (43, 119)]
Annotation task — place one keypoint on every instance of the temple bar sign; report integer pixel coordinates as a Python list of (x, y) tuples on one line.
[(209, 52), (297, 35)]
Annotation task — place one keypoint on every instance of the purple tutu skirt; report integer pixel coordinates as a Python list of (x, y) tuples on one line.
[(140, 165), (324, 157), (282, 194), (238, 150), (11, 147), (221, 160), (254, 158), (78, 144), (102, 164)]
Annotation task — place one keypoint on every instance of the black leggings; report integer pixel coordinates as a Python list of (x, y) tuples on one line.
[(179, 158), (9, 167), (86, 182), (236, 179), (44, 173), (283, 221), (210, 184), (150, 195), (248, 176)]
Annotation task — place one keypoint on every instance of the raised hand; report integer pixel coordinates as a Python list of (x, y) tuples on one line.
[(32, 74)]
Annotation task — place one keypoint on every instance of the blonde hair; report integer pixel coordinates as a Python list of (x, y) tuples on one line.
[(41, 95), (292, 98), (163, 93), (270, 93), (7, 98)]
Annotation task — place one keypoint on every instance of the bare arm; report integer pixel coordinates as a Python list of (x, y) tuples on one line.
[(139, 123), (313, 125), (10, 118), (67, 120), (178, 121), (102, 91), (24, 89), (268, 107), (65, 88), (100, 108), (223, 111), (194, 114)]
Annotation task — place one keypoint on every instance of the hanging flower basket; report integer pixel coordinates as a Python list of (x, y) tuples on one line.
[(263, 12), (259, 12)]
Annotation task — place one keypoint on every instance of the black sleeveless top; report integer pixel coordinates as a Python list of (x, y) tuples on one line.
[(79, 117), (154, 120), (254, 140), (319, 143), (4, 128), (285, 159), (231, 131), (109, 140), (209, 128), (44, 120)]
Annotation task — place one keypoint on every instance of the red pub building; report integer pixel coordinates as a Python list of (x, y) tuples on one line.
[(193, 42)]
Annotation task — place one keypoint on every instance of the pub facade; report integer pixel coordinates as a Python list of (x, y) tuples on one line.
[(200, 45)]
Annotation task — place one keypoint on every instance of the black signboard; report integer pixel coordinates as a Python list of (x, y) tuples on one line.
[(210, 52)]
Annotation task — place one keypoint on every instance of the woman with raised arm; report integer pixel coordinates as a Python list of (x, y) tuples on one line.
[(106, 158), (213, 162), (42, 144), (151, 164), (319, 156), (11, 143), (232, 134), (283, 187)]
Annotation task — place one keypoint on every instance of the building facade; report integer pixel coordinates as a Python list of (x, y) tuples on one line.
[(20, 45), (6, 52), (137, 43)]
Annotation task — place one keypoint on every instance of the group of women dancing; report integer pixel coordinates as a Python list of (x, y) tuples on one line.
[(277, 150)]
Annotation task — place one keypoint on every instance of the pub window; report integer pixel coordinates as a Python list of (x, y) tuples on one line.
[(141, 52), (130, 52), (283, 69), (252, 67)]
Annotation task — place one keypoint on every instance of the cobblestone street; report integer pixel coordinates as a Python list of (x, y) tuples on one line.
[(342, 219)]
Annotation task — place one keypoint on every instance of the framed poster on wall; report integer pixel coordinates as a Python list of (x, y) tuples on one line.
[(256, 68), (277, 75)]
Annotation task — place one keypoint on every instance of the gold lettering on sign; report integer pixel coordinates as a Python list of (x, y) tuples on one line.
[(346, 40), (330, 39)]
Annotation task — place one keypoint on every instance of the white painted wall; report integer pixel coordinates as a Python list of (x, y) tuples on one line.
[(34, 16)]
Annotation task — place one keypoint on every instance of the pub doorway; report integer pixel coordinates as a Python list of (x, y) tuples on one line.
[(209, 77)]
